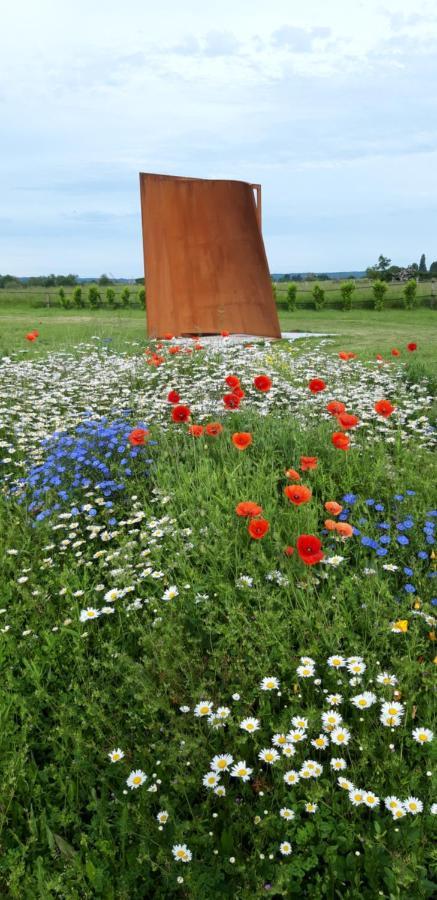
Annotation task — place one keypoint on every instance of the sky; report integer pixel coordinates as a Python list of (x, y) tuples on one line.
[(331, 106)]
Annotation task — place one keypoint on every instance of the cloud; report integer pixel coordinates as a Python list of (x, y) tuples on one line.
[(298, 40)]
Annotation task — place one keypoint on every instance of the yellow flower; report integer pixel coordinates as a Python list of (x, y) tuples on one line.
[(401, 625)]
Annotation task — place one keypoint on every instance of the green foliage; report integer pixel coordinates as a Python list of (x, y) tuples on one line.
[(124, 297), (379, 289), (94, 298), (141, 297), (291, 297), (410, 293), (64, 299), (78, 299), (110, 296), (104, 280), (346, 290), (318, 296), (422, 265)]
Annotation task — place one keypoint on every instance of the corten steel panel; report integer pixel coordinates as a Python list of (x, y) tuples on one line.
[(204, 258)]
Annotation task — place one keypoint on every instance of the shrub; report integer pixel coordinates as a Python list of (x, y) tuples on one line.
[(93, 297), (78, 298), (64, 299), (379, 290), (141, 297), (110, 296), (124, 297), (318, 296), (410, 293), (346, 291), (291, 297)]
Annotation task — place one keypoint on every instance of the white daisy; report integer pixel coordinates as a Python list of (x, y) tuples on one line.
[(340, 736), (364, 700), (250, 724), (336, 662), (338, 763), (241, 770), (204, 708), (371, 800), (162, 816), (311, 807), (181, 853), (413, 805), (285, 848), (89, 613), (222, 762), (116, 755), (291, 777), (269, 755), (269, 683), (286, 813), (136, 779), (423, 735), (210, 780)]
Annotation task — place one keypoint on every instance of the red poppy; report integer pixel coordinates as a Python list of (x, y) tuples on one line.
[(231, 401), (155, 360), (238, 392), (198, 346), (30, 336), (248, 509), (174, 350), (35, 332), (384, 408), (173, 397), (225, 333), (232, 381), (137, 437), (308, 462), (379, 357), (335, 407), (257, 528), (195, 430), (395, 352), (347, 355), (188, 350), (347, 420), (316, 385), (241, 440), (168, 336), (309, 549), (340, 440), (213, 429), (180, 413), (289, 551), (262, 383), (411, 347), (297, 493), (332, 507), (292, 475)]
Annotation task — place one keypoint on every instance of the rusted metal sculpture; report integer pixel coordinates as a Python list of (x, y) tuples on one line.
[(204, 258)]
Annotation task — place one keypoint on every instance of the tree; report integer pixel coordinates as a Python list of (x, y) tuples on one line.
[(318, 296), (422, 265), (380, 269), (346, 291), (64, 299), (291, 296), (104, 280), (433, 268), (410, 293), (379, 289)]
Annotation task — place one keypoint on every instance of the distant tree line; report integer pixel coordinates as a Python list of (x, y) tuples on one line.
[(383, 270), (51, 281)]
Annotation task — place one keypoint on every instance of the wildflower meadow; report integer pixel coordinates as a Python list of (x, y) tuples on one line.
[(217, 619)]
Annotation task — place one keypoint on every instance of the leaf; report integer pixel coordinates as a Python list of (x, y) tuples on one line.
[(64, 846)]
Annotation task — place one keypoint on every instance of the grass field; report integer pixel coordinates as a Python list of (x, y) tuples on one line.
[(195, 705)]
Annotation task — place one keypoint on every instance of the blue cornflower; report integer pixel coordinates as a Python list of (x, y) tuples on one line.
[(407, 570), (409, 588), (381, 551), (385, 539), (433, 512), (343, 517), (411, 493), (434, 601), (399, 497), (402, 539), (370, 502), (383, 525), (422, 555), (349, 498), (379, 507), (369, 542)]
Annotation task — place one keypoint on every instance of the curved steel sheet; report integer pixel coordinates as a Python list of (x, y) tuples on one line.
[(204, 258)]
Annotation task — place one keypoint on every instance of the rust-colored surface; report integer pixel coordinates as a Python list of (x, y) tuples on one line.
[(204, 258)]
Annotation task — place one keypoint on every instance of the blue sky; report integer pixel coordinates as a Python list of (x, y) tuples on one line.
[(331, 105)]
